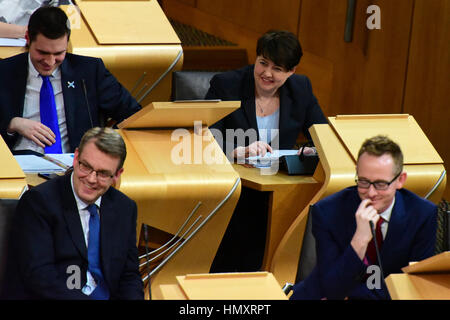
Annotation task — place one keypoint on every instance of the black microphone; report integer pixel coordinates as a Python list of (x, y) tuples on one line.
[(375, 242), (87, 103)]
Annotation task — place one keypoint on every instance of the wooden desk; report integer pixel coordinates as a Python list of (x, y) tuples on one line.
[(223, 286), (12, 178), (428, 279), (288, 197)]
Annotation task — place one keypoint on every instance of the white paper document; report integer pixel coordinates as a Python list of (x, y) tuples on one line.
[(37, 164), (266, 160), (10, 42)]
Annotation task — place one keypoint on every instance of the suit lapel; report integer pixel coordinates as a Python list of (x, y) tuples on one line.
[(21, 85), (73, 95), (396, 228), (72, 217), (248, 92)]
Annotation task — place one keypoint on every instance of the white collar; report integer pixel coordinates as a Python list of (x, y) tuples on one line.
[(386, 214)]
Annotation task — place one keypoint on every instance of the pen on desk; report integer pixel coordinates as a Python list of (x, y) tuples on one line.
[(55, 161)]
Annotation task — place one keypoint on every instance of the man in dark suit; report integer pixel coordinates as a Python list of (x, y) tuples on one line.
[(344, 243), (84, 91), (54, 230)]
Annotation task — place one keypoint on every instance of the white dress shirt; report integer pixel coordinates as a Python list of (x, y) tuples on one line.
[(84, 217), (386, 215), (31, 108)]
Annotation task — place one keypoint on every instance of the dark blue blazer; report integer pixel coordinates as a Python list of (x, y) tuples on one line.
[(106, 96), (339, 272), (49, 238), (298, 106)]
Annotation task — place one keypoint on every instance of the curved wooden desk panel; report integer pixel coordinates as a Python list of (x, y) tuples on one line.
[(337, 171), (287, 196), (12, 178), (167, 193), (12, 188), (128, 61)]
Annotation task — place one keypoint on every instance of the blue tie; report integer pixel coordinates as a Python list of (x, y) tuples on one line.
[(49, 117), (101, 291)]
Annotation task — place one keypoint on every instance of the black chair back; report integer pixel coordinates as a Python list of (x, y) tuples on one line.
[(190, 85), (7, 209), (307, 260)]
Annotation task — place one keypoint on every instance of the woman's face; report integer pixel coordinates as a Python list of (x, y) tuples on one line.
[(269, 76)]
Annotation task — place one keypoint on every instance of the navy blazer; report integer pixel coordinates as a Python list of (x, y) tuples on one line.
[(339, 272), (299, 108), (49, 239), (106, 96)]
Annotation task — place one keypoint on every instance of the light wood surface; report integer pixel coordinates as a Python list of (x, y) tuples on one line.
[(129, 61), (179, 114), (437, 263), (414, 287), (225, 286), (427, 279), (122, 22), (12, 178), (401, 128)]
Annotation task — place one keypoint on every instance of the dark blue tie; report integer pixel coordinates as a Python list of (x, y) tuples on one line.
[(101, 291), (49, 116)]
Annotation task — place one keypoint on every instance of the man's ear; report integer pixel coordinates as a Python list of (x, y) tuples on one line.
[(27, 37), (75, 157), (117, 175), (401, 179)]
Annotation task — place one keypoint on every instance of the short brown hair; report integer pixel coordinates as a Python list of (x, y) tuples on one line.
[(379, 145), (51, 22), (280, 46), (108, 141)]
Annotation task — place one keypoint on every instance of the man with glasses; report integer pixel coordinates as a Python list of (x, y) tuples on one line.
[(76, 234), (405, 229)]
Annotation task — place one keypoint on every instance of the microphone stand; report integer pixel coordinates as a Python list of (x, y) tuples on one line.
[(372, 228)]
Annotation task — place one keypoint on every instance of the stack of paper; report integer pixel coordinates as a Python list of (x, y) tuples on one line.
[(47, 164), (266, 160)]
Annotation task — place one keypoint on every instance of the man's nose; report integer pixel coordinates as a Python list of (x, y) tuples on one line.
[(92, 177), (372, 191), (50, 60)]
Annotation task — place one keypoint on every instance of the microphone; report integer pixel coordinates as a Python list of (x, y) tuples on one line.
[(375, 242), (87, 102)]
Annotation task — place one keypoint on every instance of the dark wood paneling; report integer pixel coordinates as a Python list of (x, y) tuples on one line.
[(428, 78)]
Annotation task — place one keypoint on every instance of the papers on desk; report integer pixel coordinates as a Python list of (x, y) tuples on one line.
[(266, 161), (48, 163), (9, 42)]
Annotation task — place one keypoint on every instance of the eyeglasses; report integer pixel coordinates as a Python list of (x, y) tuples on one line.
[(102, 175), (378, 185)]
